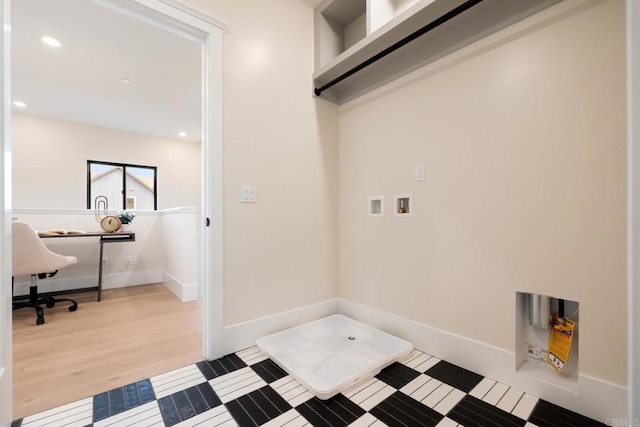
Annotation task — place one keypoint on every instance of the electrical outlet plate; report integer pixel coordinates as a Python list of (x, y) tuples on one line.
[(131, 259), (247, 194), (419, 172)]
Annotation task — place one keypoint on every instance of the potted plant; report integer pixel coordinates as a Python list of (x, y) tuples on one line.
[(126, 218)]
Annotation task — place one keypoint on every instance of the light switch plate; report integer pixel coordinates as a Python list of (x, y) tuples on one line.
[(247, 194)]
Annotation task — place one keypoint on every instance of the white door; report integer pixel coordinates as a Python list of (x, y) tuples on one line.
[(6, 392)]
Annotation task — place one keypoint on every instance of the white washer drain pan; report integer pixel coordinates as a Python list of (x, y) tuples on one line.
[(330, 355)]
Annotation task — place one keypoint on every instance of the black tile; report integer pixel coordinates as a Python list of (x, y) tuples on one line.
[(259, 406), (546, 414), (268, 371), (335, 412), (270, 401), (132, 395), (397, 375), (402, 410), (197, 400), (169, 411), (116, 400), (101, 409), (185, 410), (17, 423), (209, 395), (473, 412), (224, 365), (455, 376), (146, 391), (239, 414)]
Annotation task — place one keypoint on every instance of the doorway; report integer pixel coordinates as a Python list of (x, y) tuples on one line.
[(187, 23)]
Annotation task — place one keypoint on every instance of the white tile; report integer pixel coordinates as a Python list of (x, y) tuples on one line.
[(428, 364), (510, 400), (380, 395), (415, 384), (428, 388), (495, 394), (252, 355), (290, 418), (237, 383), (178, 380), (285, 383), (216, 417), (482, 388), (450, 401), (144, 415), (291, 391), (528, 424), (358, 388), (75, 412), (437, 395), (367, 420), (421, 362), (367, 390), (447, 422), (524, 408)]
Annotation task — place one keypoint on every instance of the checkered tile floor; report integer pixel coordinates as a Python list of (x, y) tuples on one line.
[(248, 389)]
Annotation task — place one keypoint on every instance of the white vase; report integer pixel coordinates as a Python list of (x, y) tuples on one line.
[(125, 227)]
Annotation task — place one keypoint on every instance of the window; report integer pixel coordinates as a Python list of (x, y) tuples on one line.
[(125, 186)]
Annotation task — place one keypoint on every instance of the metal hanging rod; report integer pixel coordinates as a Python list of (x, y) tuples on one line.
[(397, 45)]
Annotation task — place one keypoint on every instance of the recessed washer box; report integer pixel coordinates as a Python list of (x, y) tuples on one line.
[(329, 355)]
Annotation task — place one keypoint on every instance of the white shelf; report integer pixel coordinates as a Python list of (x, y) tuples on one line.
[(391, 21)]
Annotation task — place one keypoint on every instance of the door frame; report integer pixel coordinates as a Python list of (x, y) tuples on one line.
[(187, 22), (633, 210)]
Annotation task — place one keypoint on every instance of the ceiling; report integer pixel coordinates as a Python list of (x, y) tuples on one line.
[(81, 81)]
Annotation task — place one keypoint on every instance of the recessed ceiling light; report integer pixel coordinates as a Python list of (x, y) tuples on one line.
[(19, 104), (183, 134), (126, 81), (50, 41)]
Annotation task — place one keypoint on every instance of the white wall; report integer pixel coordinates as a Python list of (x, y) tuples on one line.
[(50, 162), (280, 253), (523, 138), (164, 248), (148, 248)]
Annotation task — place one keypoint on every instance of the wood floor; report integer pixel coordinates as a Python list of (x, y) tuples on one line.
[(133, 333)]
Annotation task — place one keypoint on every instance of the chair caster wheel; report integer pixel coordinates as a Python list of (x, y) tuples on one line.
[(39, 321), (74, 307), (50, 303)]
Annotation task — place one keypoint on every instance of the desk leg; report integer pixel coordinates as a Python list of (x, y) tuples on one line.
[(100, 273)]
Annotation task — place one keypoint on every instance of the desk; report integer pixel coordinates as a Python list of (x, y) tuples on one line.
[(116, 237)]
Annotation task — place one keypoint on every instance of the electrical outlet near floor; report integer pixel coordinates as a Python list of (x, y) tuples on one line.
[(131, 259)]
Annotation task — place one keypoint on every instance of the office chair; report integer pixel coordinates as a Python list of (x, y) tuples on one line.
[(31, 256)]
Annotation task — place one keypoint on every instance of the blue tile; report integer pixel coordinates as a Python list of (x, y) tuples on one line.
[(169, 411), (116, 399), (183, 405), (132, 396), (146, 391), (101, 407)]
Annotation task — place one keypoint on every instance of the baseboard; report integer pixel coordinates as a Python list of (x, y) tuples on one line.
[(242, 335), (109, 281), (184, 291), (594, 398)]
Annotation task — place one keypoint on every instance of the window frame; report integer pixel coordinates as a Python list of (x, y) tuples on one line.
[(124, 167)]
